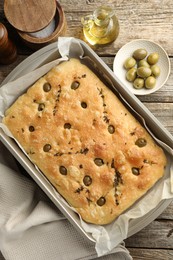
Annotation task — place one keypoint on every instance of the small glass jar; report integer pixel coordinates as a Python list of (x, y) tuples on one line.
[(102, 27)]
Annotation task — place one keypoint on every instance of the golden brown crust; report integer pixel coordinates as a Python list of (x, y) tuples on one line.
[(95, 153)]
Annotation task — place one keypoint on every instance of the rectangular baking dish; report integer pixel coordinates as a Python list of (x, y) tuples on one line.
[(44, 56)]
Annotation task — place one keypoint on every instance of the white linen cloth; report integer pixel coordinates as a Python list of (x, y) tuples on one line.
[(31, 227)]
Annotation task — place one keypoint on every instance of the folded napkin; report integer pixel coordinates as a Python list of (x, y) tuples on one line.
[(31, 227)]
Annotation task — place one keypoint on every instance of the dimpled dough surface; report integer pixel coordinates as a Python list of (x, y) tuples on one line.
[(93, 151)]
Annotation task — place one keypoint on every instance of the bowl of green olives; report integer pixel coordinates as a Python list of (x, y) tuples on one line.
[(142, 66)]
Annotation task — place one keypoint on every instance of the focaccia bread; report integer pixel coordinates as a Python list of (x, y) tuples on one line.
[(86, 142)]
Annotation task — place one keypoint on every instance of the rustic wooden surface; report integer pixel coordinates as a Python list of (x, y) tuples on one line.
[(148, 19)]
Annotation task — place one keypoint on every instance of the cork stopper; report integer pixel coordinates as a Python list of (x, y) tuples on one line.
[(8, 51)]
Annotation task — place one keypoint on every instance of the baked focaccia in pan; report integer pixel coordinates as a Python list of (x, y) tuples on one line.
[(86, 142)]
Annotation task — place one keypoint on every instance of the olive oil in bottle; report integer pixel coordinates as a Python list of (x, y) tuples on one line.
[(102, 27)]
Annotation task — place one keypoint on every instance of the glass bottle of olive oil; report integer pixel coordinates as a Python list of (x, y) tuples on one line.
[(101, 27)]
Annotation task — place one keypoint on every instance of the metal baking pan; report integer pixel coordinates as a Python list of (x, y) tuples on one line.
[(44, 56)]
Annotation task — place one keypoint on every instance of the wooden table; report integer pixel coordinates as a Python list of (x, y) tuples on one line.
[(149, 19)]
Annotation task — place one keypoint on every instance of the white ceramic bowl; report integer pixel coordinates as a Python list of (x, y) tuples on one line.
[(127, 51)]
